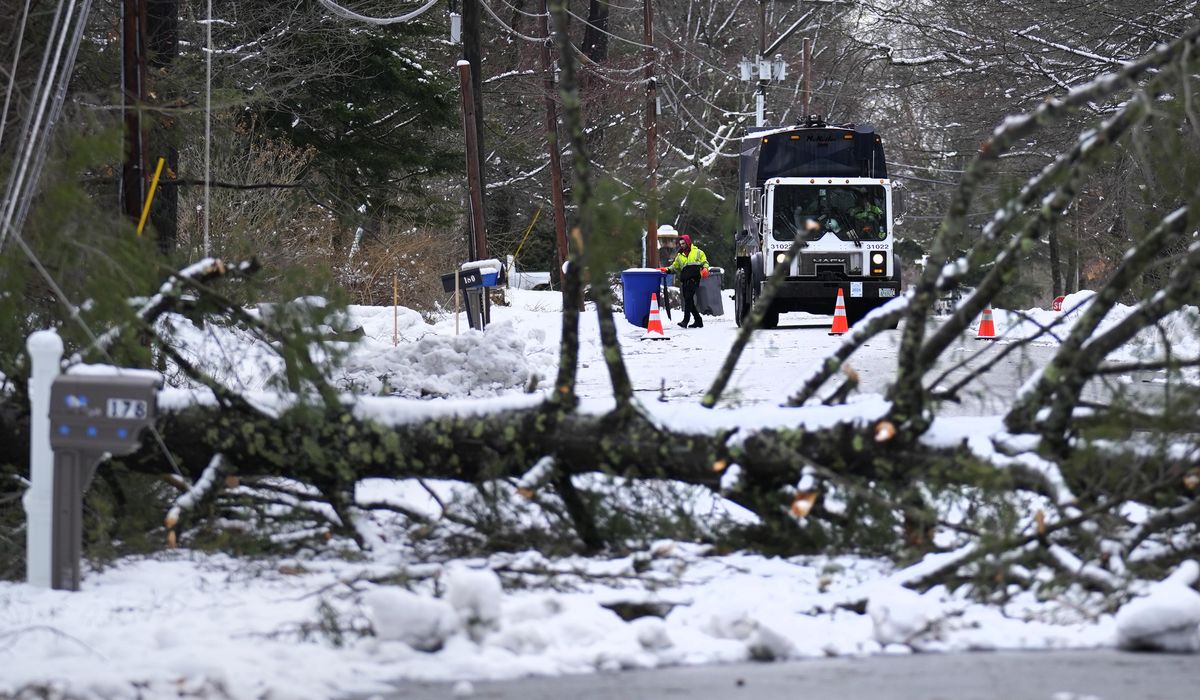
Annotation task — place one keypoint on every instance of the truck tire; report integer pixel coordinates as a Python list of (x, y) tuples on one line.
[(770, 319), (742, 297)]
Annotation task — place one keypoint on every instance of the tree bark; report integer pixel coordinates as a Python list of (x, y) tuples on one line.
[(595, 32), (1056, 277)]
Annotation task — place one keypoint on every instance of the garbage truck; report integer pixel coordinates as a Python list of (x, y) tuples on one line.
[(827, 185)]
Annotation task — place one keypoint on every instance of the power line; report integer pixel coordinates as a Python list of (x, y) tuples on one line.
[(510, 30), (379, 21), (615, 36), (20, 188), (523, 12), (896, 176), (12, 77)]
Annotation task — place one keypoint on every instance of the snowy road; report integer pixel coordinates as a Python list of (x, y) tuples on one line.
[(682, 367), (1047, 675)]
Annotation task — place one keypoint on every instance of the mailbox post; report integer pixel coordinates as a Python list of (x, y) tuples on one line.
[(45, 352), (473, 277), (92, 416)]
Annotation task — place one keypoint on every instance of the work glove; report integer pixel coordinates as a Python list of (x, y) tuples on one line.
[(704, 273), (662, 269)]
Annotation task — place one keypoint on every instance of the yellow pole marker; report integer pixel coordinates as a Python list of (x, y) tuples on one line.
[(150, 197), (529, 230)]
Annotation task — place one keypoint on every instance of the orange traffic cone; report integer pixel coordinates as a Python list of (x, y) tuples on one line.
[(987, 329), (840, 325), (654, 329)]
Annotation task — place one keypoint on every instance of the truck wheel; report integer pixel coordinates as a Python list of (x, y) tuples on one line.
[(742, 301), (770, 319)]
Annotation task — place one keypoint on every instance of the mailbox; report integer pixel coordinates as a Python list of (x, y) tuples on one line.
[(467, 279), (91, 416), (101, 413)]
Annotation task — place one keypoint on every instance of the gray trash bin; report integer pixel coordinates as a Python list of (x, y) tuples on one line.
[(708, 299)]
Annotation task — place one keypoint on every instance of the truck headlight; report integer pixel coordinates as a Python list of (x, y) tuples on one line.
[(781, 258), (878, 264)]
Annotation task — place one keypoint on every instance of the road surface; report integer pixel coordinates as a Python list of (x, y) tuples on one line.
[(1046, 675), (683, 367)]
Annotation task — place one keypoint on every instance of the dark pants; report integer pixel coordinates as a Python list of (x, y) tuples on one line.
[(689, 287)]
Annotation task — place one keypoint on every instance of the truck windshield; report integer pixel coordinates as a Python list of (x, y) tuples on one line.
[(850, 212)]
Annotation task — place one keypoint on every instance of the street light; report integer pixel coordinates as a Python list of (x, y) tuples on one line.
[(762, 71)]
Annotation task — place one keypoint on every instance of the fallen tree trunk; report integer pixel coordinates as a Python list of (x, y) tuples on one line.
[(505, 439)]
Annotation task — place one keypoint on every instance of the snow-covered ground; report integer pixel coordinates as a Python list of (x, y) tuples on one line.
[(185, 623)]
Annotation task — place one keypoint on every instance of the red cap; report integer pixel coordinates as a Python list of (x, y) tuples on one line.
[(685, 239)]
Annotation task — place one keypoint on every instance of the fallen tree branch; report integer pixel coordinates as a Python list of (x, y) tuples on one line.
[(203, 488)]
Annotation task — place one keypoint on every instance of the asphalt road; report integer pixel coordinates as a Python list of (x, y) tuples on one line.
[(1047, 675)]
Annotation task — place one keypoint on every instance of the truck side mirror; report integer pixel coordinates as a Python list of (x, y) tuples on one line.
[(755, 202), (899, 200)]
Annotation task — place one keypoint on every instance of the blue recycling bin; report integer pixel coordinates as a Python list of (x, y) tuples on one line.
[(637, 284)]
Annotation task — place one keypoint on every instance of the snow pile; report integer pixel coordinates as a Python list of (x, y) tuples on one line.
[(762, 642), (1177, 334), (902, 616), (1167, 618), (421, 622), (316, 630), (396, 354), (475, 596), (473, 364)]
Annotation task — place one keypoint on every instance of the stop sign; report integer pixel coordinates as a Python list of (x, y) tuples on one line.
[(1057, 305)]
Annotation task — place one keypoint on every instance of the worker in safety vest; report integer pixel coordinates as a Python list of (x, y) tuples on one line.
[(690, 266), (867, 217)]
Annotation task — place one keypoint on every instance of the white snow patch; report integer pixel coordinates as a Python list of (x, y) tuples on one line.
[(421, 622), (1167, 618), (475, 594)]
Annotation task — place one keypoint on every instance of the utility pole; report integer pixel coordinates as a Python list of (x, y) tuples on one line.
[(481, 314), (133, 82), (760, 96), (478, 237), (551, 122), (806, 93), (760, 70), (472, 53), (651, 138), (764, 71), (162, 41)]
